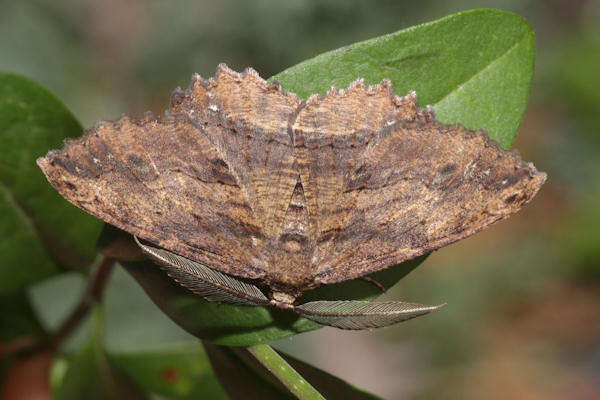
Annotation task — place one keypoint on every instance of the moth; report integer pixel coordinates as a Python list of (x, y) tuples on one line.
[(245, 194)]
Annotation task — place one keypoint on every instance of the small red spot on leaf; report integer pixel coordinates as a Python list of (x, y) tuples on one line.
[(170, 375)]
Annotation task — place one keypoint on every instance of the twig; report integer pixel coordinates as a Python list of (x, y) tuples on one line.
[(277, 366), (92, 294), (23, 344)]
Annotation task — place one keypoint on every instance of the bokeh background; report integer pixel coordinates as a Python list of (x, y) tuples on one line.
[(523, 314)]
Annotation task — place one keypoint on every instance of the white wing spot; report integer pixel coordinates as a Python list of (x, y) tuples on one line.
[(469, 169), (390, 122), (153, 165), (213, 107)]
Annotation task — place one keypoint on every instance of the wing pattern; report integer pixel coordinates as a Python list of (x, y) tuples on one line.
[(385, 182), (246, 179)]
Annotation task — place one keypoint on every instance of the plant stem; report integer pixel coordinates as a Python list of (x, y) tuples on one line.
[(93, 294), (277, 366)]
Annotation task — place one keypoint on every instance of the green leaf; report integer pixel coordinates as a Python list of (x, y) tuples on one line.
[(178, 373), (245, 378), (17, 322), (474, 67), (243, 326), (92, 375), (223, 324), (40, 231), (17, 318)]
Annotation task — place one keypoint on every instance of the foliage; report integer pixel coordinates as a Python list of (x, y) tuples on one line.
[(40, 232)]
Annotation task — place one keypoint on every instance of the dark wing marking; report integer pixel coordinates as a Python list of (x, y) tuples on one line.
[(416, 187), (162, 180), (203, 281), (358, 315)]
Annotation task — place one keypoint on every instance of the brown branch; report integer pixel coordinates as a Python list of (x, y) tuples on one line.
[(92, 294), (22, 344)]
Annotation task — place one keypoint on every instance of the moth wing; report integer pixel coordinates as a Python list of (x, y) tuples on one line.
[(162, 180), (418, 186)]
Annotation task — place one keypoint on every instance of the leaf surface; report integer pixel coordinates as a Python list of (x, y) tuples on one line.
[(473, 67), (92, 375), (179, 373), (41, 231)]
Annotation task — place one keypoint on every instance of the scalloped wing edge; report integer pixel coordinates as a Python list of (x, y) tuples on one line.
[(409, 100)]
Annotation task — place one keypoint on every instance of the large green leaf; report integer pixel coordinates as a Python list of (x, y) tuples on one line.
[(40, 230), (474, 67), (182, 373), (17, 318)]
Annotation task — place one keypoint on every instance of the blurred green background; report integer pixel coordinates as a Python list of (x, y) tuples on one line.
[(523, 314)]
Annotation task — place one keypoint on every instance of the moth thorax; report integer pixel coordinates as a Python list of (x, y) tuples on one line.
[(282, 300)]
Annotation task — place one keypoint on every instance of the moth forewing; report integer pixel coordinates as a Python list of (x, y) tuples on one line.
[(204, 281), (358, 315)]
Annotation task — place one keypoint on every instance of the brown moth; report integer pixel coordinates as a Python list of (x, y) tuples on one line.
[(241, 180)]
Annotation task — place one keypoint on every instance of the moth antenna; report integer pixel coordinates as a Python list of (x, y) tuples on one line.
[(360, 315), (204, 281)]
